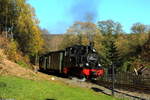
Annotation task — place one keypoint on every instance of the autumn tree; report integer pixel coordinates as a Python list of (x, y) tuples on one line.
[(140, 28), (76, 29), (27, 31), (83, 33), (110, 27), (18, 19), (83, 28)]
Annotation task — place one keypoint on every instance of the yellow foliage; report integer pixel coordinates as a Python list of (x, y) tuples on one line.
[(127, 43), (98, 38), (122, 45), (9, 49)]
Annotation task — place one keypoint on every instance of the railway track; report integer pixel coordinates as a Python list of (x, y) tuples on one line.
[(136, 87), (121, 90), (133, 92), (130, 93)]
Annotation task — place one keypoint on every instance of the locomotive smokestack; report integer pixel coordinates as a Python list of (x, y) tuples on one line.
[(91, 44), (90, 28)]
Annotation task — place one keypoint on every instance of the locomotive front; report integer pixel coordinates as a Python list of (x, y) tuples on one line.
[(84, 61), (93, 68)]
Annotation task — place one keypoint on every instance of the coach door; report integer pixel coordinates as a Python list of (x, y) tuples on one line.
[(60, 62)]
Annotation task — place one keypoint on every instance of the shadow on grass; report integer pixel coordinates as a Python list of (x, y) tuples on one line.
[(99, 90), (2, 84), (50, 99)]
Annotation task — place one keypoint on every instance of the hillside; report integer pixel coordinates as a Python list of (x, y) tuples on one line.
[(21, 83), (9, 68)]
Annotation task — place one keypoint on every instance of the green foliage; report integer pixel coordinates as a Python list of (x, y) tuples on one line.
[(23, 89), (112, 56), (125, 67)]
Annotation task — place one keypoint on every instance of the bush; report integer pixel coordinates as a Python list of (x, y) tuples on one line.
[(9, 49), (125, 67), (12, 51)]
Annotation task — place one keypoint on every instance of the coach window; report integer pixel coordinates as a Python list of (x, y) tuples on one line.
[(83, 51)]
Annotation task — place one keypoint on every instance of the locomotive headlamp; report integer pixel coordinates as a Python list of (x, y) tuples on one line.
[(94, 50), (99, 65), (87, 64)]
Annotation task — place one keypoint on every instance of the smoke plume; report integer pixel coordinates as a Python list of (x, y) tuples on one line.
[(85, 10)]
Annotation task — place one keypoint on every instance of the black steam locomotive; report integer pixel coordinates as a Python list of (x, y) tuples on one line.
[(78, 60)]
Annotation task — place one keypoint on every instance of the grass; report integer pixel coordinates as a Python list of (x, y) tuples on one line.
[(15, 88)]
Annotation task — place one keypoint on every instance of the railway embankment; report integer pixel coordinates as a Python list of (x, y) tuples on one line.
[(118, 92), (18, 83), (11, 69)]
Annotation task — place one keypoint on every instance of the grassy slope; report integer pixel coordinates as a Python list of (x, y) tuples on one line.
[(23, 89)]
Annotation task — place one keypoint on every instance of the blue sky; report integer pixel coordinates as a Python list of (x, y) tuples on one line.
[(58, 15)]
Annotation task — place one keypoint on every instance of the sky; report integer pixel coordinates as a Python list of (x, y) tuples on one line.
[(58, 15)]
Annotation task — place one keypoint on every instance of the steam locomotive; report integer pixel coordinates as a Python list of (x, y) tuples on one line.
[(77, 60)]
